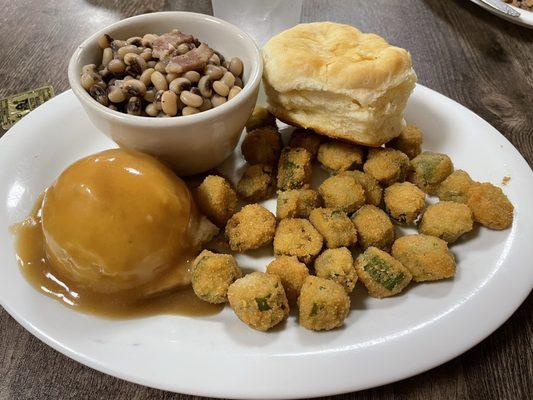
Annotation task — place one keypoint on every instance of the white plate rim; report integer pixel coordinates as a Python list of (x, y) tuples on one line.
[(500, 313)]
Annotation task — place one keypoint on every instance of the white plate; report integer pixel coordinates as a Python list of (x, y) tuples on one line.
[(525, 18), (382, 341)]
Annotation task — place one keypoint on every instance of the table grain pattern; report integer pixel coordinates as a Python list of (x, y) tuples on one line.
[(460, 50)]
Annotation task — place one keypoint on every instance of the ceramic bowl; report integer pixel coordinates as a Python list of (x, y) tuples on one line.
[(189, 144)]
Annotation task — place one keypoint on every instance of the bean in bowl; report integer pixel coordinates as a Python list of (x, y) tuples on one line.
[(161, 76)]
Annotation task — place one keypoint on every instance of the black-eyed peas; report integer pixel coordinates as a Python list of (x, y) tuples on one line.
[(151, 110), (127, 49), (170, 77), (234, 91), (104, 41), (221, 88), (192, 76), (229, 79), (157, 100), (134, 106), (116, 95), (99, 95), (156, 76), (190, 99), (159, 81), (107, 56), (236, 66), (217, 100), (189, 111), (206, 105), (149, 96), (146, 76), (205, 86), (148, 39), (134, 87), (178, 85), (116, 66), (169, 103)]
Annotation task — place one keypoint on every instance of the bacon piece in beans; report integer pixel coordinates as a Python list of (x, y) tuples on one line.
[(165, 44), (196, 59)]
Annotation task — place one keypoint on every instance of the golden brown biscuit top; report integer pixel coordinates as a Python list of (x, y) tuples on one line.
[(334, 57)]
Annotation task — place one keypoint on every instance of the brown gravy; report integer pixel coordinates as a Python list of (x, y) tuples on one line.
[(38, 272)]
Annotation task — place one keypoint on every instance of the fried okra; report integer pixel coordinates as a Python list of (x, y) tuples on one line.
[(323, 304), (258, 299), (294, 168), (297, 237), (257, 183), (382, 274), (446, 220), (374, 227), (335, 226), (297, 203), (252, 227), (337, 265), (292, 274), (342, 192), (262, 146), (372, 188), (429, 169), (409, 141), (404, 202), (455, 187), (260, 118), (212, 274), (336, 156), (490, 206), (387, 165), (216, 199), (427, 257), (306, 139)]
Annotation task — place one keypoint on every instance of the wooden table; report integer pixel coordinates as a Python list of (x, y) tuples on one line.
[(458, 49)]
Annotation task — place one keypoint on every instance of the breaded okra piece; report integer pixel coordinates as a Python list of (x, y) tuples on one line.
[(342, 192), (427, 257), (306, 139), (490, 206), (404, 202), (258, 299), (212, 274), (294, 168), (292, 274), (216, 199), (372, 188), (387, 165), (257, 183), (323, 304), (297, 237), (338, 266), (297, 203), (446, 220), (336, 156), (455, 187), (334, 226), (382, 274), (429, 169), (252, 227), (374, 227), (260, 118), (409, 141), (262, 146)]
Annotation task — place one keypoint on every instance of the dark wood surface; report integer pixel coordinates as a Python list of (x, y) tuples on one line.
[(477, 59)]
